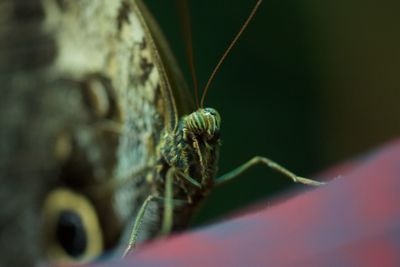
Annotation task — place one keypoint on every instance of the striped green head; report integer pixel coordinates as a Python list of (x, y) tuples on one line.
[(204, 121)]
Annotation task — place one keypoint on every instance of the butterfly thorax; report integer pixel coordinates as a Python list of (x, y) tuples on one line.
[(192, 150)]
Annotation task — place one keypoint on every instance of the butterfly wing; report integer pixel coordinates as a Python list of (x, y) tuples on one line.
[(121, 46), (181, 96), (171, 100), (96, 111)]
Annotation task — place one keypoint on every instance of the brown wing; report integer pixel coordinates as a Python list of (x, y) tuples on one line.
[(181, 94), (85, 97), (172, 99), (112, 41), (87, 89)]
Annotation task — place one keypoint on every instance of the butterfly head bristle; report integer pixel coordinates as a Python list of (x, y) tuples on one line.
[(205, 122)]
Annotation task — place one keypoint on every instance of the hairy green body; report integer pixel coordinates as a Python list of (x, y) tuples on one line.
[(191, 153)]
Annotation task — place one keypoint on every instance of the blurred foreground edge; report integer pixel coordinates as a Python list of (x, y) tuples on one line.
[(353, 221)]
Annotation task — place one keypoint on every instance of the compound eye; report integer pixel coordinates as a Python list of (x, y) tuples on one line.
[(211, 111), (71, 230)]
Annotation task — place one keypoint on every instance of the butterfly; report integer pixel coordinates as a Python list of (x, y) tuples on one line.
[(141, 156), (107, 160)]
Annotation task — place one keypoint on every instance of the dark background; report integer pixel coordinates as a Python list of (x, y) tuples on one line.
[(310, 84)]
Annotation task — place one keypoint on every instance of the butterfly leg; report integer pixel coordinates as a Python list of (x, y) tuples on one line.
[(169, 198), (168, 202), (271, 164), (139, 220), (137, 224)]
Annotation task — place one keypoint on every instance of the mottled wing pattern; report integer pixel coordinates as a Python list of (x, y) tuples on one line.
[(110, 39), (30, 115), (172, 100), (86, 98)]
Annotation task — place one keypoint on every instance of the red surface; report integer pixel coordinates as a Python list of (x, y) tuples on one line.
[(352, 221)]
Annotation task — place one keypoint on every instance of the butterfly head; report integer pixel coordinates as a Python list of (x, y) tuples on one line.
[(205, 122)]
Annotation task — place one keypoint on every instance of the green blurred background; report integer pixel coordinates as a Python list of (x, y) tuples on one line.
[(310, 84)]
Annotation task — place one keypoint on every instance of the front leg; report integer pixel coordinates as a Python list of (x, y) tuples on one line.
[(136, 226), (169, 198), (169, 203), (271, 164)]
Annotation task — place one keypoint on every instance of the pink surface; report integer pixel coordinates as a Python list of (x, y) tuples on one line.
[(352, 221)]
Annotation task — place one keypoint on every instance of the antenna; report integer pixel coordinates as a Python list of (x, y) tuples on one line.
[(187, 34), (227, 51)]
